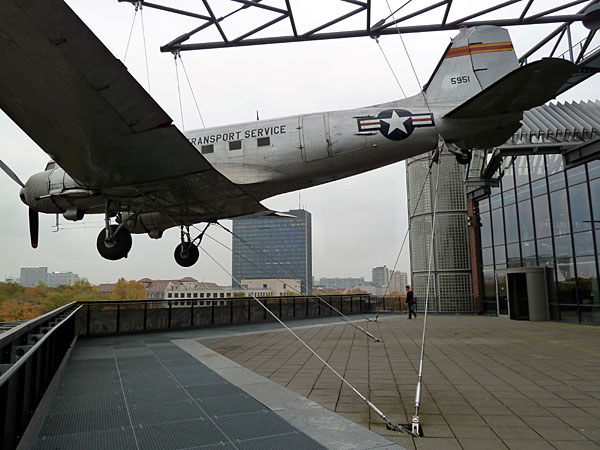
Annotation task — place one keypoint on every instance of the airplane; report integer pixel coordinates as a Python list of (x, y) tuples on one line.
[(115, 152)]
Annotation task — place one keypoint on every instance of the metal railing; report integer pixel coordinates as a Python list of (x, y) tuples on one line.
[(131, 316), (30, 355)]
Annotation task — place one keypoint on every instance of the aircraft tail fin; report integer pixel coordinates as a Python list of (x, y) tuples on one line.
[(475, 59)]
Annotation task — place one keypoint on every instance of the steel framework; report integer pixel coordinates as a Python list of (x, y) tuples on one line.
[(398, 21)]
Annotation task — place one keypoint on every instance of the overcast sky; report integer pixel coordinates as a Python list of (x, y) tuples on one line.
[(358, 223)]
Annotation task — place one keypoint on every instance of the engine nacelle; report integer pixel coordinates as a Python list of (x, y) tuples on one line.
[(73, 214)]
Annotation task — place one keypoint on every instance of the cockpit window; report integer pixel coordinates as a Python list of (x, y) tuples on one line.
[(50, 166)]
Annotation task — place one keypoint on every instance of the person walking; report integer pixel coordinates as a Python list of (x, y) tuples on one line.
[(410, 302)]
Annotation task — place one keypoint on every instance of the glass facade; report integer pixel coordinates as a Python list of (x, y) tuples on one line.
[(542, 215), (450, 284), (273, 247)]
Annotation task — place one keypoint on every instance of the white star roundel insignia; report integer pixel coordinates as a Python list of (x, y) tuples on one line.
[(396, 124)]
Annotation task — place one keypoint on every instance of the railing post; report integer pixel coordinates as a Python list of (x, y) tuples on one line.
[(145, 314), (170, 308), (118, 317), (87, 320), (192, 313)]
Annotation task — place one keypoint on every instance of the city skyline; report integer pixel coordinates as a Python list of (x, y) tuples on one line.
[(358, 222)]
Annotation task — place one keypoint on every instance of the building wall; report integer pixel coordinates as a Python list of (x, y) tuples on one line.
[(380, 276), (543, 215), (32, 276), (450, 288), (278, 287), (275, 247)]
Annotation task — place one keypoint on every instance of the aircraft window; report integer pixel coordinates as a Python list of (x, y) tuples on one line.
[(176, 295), (51, 165), (210, 148), (201, 294), (263, 141), (235, 145), (169, 295), (195, 295)]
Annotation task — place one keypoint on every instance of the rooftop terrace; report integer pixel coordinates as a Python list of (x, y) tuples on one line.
[(489, 384)]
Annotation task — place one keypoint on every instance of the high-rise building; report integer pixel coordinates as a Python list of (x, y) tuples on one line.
[(398, 282), (380, 276), (273, 247), (32, 276)]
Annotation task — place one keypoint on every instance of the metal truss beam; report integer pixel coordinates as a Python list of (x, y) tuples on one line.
[(385, 26)]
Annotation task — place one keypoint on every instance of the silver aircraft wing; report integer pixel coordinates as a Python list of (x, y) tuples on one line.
[(79, 103)]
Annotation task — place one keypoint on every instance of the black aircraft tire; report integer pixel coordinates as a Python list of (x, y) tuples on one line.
[(120, 246), (464, 158), (186, 255)]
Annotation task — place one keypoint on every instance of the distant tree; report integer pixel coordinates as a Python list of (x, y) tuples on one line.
[(18, 309), (10, 290), (128, 290)]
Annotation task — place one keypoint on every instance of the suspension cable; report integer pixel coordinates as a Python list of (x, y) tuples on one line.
[(192, 91), (408, 228), (390, 66), (341, 314), (390, 424), (145, 50), (130, 32), (416, 426), (175, 53)]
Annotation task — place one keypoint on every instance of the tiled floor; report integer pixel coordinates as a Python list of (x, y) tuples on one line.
[(488, 383)]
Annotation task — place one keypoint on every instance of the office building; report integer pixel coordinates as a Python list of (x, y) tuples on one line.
[(380, 276), (542, 215), (32, 276), (273, 247), (340, 283)]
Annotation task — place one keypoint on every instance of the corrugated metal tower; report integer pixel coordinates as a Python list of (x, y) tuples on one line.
[(450, 289)]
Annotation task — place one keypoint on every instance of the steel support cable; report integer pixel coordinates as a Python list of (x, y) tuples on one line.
[(179, 90), (416, 426), (321, 299), (390, 66), (341, 314), (408, 228), (145, 49), (130, 32), (191, 90), (374, 408)]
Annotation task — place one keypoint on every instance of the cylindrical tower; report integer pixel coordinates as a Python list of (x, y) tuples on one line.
[(450, 288)]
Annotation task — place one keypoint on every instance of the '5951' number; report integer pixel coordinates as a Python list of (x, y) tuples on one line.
[(460, 80)]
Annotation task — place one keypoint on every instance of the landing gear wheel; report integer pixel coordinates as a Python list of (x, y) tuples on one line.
[(186, 254), (464, 158), (117, 247)]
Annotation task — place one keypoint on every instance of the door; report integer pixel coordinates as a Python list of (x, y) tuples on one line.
[(314, 137), (517, 294)]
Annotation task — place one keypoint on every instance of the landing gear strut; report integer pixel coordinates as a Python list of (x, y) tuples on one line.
[(463, 157), (187, 253), (114, 243)]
